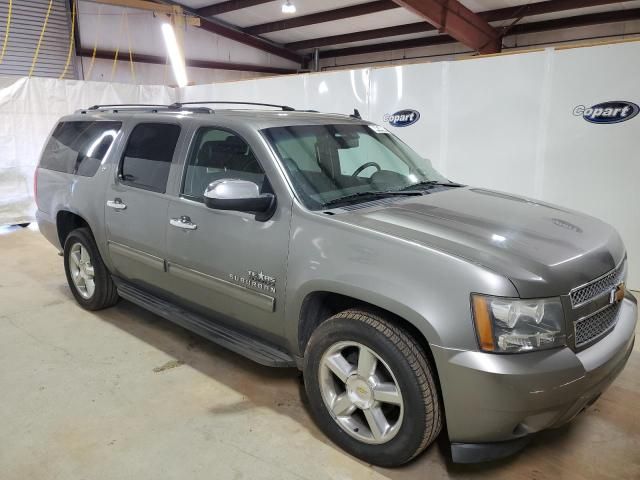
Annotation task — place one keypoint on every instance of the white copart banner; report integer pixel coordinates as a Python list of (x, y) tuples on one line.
[(504, 122)]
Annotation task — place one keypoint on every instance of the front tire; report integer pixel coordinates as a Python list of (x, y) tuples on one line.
[(87, 275), (371, 389)]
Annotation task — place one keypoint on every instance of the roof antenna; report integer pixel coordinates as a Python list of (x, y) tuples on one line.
[(356, 114)]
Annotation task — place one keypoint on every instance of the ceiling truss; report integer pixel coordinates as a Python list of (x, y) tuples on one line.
[(452, 20)]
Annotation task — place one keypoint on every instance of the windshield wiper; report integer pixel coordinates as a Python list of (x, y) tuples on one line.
[(370, 195), (431, 183)]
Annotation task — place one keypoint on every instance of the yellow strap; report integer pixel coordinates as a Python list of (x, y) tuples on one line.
[(115, 57), (44, 28), (6, 32), (115, 63), (95, 46), (133, 73), (71, 38)]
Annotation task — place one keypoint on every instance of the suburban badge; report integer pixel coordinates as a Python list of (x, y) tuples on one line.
[(255, 280)]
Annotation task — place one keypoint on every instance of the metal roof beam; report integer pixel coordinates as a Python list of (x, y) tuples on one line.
[(138, 4), (519, 12), (576, 21), (540, 8), (158, 60), (321, 17), (388, 46), (533, 27), (410, 28), (228, 6), (456, 20)]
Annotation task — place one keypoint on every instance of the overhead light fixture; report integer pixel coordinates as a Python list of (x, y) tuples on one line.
[(175, 56), (288, 7)]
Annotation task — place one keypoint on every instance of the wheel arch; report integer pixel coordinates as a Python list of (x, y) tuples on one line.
[(68, 221), (319, 305)]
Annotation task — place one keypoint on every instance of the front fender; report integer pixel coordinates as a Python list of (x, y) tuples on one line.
[(359, 291), (428, 288)]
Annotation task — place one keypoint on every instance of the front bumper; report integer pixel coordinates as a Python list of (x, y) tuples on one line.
[(490, 398)]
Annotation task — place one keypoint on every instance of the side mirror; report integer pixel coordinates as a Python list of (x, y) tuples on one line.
[(241, 196)]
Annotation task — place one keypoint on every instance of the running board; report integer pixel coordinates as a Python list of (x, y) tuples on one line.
[(241, 343)]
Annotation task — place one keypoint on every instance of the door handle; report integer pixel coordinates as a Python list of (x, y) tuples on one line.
[(183, 222), (116, 204)]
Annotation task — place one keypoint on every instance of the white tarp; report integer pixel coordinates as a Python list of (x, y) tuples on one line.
[(29, 109), (504, 122)]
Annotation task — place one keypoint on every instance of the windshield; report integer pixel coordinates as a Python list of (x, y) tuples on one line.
[(327, 163)]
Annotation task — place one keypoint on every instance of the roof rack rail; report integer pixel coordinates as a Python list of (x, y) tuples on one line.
[(145, 105), (179, 105)]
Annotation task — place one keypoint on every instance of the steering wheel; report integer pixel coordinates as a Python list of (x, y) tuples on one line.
[(366, 165)]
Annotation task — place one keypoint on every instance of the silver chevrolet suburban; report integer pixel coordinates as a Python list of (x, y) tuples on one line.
[(323, 242)]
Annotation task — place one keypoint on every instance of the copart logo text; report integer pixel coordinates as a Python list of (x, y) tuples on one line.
[(402, 118), (608, 112)]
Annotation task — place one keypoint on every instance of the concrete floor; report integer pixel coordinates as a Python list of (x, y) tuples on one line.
[(122, 394)]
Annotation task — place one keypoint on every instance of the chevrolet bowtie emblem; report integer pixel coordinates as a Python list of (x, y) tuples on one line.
[(617, 294)]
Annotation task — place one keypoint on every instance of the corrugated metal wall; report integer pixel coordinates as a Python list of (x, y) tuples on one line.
[(27, 18)]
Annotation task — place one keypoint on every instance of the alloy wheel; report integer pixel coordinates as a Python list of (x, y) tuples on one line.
[(82, 272), (360, 392)]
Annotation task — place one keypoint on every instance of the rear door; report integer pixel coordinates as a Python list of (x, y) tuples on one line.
[(227, 263), (137, 204)]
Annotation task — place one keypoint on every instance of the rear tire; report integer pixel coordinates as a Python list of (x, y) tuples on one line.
[(87, 275), (387, 411)]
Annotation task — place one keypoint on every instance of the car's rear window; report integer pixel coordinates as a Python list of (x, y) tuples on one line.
[(79, 147)]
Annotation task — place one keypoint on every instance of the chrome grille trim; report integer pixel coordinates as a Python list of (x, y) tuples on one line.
[(595, 288), (592, 328)]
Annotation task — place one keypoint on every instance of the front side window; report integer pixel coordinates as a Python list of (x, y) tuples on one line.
[(327, 163), (147, 158), (219, 154), (79, 147)]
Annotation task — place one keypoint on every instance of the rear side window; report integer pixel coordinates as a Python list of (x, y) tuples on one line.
[(79, 147), (147, 159)]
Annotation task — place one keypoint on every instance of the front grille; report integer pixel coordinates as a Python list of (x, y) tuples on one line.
[(597, 287), (595, 326)]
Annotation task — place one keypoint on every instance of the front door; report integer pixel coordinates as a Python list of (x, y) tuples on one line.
[(136, 205), (227, 263)]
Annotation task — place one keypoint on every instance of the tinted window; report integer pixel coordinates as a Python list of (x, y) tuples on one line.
[(147, 159), (219, 154), (79, 147)]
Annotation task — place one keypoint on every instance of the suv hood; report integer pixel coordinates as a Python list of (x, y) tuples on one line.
[(543, 249)]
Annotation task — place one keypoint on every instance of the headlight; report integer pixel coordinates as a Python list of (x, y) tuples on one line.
[(514, 325)]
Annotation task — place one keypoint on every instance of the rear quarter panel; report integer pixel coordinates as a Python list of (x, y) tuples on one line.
[(83, 196)]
